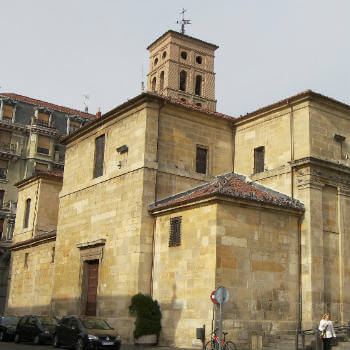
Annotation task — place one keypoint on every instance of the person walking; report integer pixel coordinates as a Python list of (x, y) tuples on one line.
[(327, 331)]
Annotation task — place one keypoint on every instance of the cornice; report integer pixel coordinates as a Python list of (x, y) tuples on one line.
[(39, 239)]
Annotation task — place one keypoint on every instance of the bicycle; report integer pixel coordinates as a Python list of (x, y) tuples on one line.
[(213, 343)]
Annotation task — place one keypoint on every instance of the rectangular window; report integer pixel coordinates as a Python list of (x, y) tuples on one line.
[(2, 196), (201, 160), (43, 144), (3, 168), (7, 113), (40, 167), (1, 227), (43, 119), (26, 213), (26, 256), (175, 232), (99, 155), (259, 155), (73, 126), (5, 139), (53, 254)]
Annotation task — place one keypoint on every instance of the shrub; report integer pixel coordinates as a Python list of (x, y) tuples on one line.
[(148, 315)]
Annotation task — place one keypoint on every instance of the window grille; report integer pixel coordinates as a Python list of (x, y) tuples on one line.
[(175, 232), (259, 159), (99, 155), (201, 160)]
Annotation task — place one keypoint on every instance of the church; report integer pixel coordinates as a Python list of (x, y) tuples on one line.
[(166, 196)]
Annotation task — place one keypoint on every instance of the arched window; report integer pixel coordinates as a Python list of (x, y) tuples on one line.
[(26, 213), (161, 81), (154, 81), (198, 88), (183, 76)]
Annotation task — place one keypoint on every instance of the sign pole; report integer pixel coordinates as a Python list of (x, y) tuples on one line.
[(220, 327)]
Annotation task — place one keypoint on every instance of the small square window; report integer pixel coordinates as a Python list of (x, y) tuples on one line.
[(175, 232)]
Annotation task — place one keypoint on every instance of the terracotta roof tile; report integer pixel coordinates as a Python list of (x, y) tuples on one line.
[(234, 186), (48, 105)]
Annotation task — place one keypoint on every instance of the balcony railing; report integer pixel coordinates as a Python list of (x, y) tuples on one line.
[(7, 147)]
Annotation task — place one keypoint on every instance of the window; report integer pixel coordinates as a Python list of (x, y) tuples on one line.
[(198, 88), (99, 155), (43, 119), (7, 113), (164, 55), (199, 59), (175, 232), (2, 195), (259, 155), (53, 252), (1, 227), (43, 144), (73, 126), (183, 76), (201, 160), (155, 61), (3, 168), (5, 139), (183, 55), (154, 82), (161, 81), (26, 213), (26, 256), (40, 167), (198, 104)]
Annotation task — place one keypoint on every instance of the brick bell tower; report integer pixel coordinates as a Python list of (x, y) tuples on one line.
[(182, 67)]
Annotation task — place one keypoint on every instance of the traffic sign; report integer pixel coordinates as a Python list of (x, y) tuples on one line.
[(212, 297), (221, 295)]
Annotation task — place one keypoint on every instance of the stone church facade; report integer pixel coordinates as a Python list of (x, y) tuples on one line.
[(164, 195)]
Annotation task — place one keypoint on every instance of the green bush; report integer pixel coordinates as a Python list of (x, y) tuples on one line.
[(147, 314)]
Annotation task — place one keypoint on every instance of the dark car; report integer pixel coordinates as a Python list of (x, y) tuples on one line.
[(8, 327), (86, 333), (37, 329)]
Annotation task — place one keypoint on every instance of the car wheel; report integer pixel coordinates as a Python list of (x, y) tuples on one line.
[(79, 344), (56, 342), (2, 336), (17, 338), (36, 340)]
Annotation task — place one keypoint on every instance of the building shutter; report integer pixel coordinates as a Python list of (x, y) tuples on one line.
[(74, 124), (8, 111), (44, 117), (259, 161), (201, 160), (43, 144), (175, 232), (5, 137), (99, 156), (40, 167)]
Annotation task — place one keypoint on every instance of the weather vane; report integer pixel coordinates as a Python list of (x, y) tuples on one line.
[(184, 21)]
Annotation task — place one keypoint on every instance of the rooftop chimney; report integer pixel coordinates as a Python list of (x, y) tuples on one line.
[(98, 113)]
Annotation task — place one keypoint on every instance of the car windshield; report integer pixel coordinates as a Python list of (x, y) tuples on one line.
[(95, 323), (9, 320), (47, 321)]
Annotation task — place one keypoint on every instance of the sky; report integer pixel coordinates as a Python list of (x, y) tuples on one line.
[(60, 50)]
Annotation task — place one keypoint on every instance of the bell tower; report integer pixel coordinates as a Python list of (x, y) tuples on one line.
[(182, 67)]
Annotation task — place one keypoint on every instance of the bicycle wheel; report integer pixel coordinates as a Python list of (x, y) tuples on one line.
[(211, 345), (230, 345)]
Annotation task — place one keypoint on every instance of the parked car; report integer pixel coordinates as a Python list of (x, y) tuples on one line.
[(8, 327), (85, 333), (37, 329)]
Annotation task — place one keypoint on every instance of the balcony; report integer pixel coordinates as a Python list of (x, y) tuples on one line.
[(9, 151)]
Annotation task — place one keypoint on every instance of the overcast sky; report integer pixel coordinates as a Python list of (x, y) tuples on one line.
[(59, 50)]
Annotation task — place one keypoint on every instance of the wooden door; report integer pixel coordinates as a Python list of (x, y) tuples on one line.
[(92, 282)]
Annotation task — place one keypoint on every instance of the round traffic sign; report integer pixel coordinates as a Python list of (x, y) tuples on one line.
[(221, 295), (212, 297)]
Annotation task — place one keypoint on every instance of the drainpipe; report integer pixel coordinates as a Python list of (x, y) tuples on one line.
[(161, 105), (291, 127), (300, 305), (233, 134)]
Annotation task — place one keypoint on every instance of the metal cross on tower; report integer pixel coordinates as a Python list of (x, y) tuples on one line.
[(184, 21)]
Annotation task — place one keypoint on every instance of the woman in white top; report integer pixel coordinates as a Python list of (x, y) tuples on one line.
[(326, 327)]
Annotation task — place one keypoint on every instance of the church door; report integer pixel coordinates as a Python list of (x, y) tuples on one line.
[(92, 282)]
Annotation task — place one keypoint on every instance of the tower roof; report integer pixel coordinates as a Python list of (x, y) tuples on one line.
[(182, 37)]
